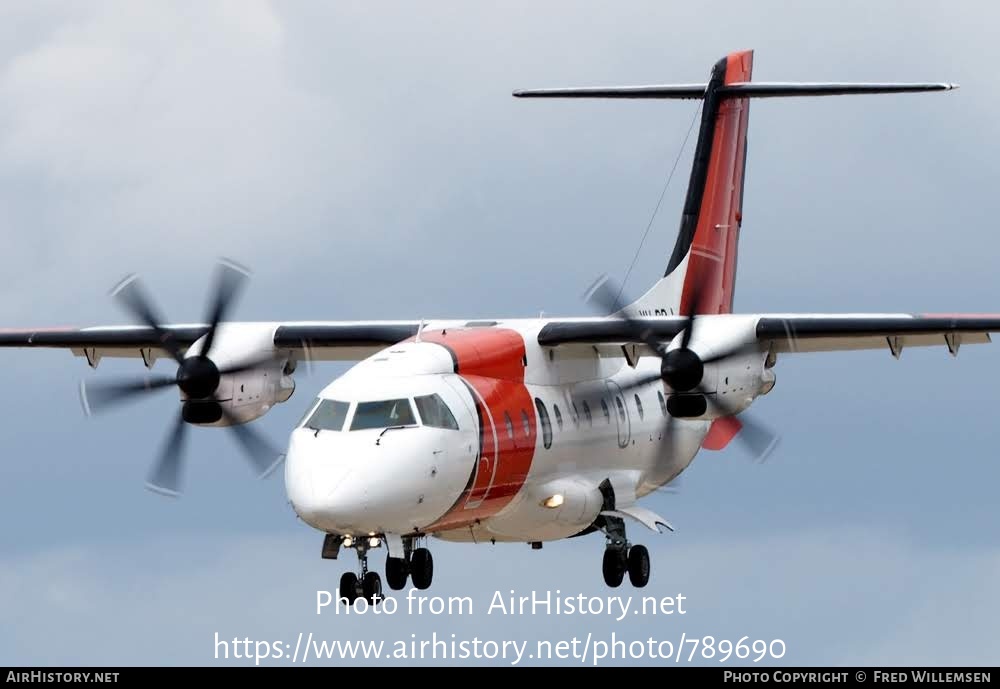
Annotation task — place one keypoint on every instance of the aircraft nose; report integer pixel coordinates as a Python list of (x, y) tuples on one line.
[(351, 483), (315, 477)]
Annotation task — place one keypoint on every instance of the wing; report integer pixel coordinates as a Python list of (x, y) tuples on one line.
[(321, 341), (799, 332), (841, 332), (354, 340)]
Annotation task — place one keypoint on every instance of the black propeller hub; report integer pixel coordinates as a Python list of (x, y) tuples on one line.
[(198, 377), (682, 369)]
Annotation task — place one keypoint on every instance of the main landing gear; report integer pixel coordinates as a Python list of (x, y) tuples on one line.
[(416, 564), (620, 556)]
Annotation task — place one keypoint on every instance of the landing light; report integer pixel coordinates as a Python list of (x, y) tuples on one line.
[(373, 542), (553, 501), (348, 541)]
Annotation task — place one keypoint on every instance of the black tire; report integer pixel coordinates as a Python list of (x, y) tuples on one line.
[(421, 568), (348, 587), (638, 566), (614, 567), (371, 586), (396, 573)]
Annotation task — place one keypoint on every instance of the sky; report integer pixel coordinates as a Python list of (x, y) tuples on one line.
[(370, 163)]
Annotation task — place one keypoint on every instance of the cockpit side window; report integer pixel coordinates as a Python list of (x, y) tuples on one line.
[(329, 415), (309, 411), (383, 414), (435, 413)]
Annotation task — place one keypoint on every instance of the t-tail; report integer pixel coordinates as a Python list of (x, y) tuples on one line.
[(701, 273)]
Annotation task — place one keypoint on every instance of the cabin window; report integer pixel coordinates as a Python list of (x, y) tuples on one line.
[(559, 421), (638, 406), (621, 409), (526, 423), (509, 424), (604, 408), (586, 412), (576, 415), (663, 403), (543, 418)]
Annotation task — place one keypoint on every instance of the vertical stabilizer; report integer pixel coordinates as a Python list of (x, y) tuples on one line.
[(701, 273)]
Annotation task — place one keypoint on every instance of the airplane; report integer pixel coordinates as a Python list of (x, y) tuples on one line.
[(508, 430)]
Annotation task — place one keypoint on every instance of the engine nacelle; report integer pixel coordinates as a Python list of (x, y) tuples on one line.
[(246, 395), (733, 381)]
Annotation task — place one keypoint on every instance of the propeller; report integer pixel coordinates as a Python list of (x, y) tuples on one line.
[(197, 377), (683, 369)]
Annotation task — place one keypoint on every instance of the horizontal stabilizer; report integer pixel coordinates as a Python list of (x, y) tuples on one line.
[(678, 91), (765, 89), (759, 89)]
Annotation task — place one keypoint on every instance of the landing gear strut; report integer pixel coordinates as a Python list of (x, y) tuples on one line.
[(397, 569), (620, 556), (416, 564), (367, 584)]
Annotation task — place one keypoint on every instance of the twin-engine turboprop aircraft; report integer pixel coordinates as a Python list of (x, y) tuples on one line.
[(525, 430)]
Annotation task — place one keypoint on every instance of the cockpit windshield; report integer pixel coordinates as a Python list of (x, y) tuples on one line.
[(435, 413), (329, 415), (383, 414)]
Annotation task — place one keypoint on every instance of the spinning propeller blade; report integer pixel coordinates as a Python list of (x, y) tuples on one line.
[(197, 377)]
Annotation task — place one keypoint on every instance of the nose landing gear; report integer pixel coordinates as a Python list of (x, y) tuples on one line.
[(367, 585), (621, 557)]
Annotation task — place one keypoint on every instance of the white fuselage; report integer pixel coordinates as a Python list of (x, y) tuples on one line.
[(536, 432)]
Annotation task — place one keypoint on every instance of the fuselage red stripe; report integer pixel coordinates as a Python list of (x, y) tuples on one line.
[(491, 361)]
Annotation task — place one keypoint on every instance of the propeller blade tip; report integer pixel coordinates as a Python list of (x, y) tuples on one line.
[(594, 286), (123, 283), (162, 490), (270, 470), (238, 267), (763, 456), (83, 399)]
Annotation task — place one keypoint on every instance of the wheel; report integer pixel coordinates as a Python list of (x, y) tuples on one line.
[(614, 567), (421, 568), (638, 566), (396, 573), (349, 587), (371, 586)]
